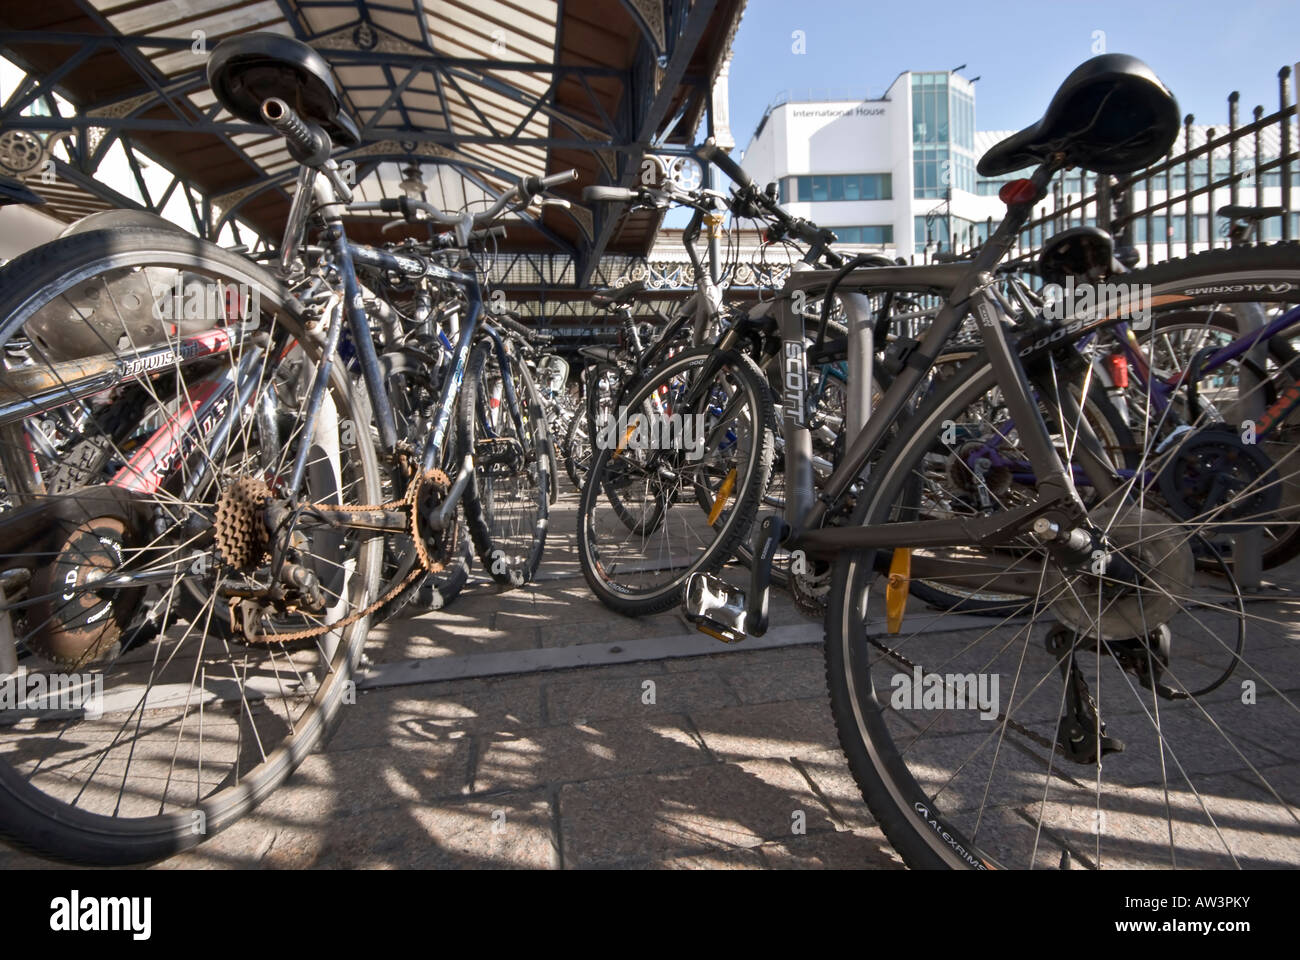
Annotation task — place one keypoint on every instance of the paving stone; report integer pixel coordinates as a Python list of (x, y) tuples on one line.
[(791, 729), (327, 785), (660, 817), (1230, 824), (506, 832), (397, 716), (561, 632), (737, 859), (241, 846), (594, 699), (829, 772), (843, 850), (451, 634), (592, 750), (801, 679)]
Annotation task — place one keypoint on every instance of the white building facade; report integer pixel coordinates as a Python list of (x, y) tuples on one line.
[(897, 174)]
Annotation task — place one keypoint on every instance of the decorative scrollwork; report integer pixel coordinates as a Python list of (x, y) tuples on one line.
[(21, 152), (679, 275)]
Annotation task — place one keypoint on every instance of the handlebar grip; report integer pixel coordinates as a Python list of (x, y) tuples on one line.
[(391, 204), (508, 323), (810, 232), (308, 143), (534, 338), (534, 185), (711, 152), (608, 194)]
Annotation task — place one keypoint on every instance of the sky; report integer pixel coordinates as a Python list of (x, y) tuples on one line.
[(1021, 51)]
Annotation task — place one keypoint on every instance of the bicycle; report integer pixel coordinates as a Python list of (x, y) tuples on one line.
[(220, 564), (1111, 578)]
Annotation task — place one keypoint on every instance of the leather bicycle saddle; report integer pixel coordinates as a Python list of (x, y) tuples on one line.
[(244, 71), (1111, 115), (617, 296)]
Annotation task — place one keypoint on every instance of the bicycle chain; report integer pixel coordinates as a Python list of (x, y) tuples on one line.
[(1002, 717), (426, 564)]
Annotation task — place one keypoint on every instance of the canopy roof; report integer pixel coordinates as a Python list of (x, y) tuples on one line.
[(475, 93)]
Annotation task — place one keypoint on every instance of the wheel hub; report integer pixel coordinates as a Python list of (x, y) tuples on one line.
[(1155, 546), (79, 624)]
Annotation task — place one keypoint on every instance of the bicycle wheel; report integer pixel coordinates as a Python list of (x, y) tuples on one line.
[(1179, 336), (1079, 731), (159, 724), (675, 491), (508, 509)]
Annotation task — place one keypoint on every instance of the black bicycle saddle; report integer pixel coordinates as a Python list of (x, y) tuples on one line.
[(244, 71), (610, 296), (1111, 115)]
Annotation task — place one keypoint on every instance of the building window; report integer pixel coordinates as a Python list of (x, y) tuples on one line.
[(931, 172), (847, 186), (1159, 230), (879, 234), (963, 119), (929, 108)]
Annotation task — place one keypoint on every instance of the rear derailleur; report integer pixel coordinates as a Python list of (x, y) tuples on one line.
[(1081, 733)]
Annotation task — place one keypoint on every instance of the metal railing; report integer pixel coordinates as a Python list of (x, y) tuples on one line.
[(1184, 190)]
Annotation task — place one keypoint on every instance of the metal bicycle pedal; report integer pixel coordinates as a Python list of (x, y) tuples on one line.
[(721, 609)]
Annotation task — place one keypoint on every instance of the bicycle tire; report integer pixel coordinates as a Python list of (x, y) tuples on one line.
[(52, 827)]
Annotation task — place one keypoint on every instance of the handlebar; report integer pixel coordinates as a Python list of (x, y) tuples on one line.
[(609, 194), (527, 187), (712, 153), (532, 185), (527, 334)]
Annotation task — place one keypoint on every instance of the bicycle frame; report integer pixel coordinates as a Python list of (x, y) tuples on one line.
[(1160, 390), (967, 288)]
